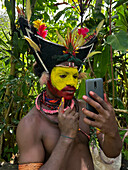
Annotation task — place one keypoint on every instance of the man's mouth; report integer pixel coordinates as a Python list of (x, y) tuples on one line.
[(69, 89)]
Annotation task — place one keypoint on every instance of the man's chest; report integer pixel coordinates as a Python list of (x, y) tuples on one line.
[(77, 155), (52, 135)]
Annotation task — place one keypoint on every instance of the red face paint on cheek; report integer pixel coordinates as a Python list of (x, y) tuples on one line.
[(67, 92)]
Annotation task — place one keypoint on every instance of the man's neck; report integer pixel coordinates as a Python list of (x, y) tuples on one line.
[(52, 96)]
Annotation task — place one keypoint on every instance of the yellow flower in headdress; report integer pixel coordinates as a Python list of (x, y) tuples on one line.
[(38, 23)]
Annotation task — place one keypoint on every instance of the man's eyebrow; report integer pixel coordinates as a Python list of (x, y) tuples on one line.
[(62, 71)]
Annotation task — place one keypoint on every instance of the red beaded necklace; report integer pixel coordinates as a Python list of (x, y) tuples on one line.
[(51, 103)]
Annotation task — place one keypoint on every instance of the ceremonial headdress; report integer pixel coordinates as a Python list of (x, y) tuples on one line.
[(48, 54)]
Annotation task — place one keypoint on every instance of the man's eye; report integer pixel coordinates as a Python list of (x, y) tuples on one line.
[(62, 76), (75, 77)]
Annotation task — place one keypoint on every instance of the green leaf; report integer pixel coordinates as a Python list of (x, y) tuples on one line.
[(21, 43), (2, 43), (24, 89), (118, 41), (15, 121), (60, 13), (1, 131), (9, 9), (99, 16), (120, 2), (107, 2), (101, 62), (121, 22), (81, 89), (5, 35)]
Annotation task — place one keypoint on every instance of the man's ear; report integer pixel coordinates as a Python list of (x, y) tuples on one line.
[(44, 78)]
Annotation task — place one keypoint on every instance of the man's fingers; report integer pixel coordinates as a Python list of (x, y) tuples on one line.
[(76, 115), (90, 114), (102, 102), (73, 112), (94, 104), (61, 107), (92, 123), (67, 112)]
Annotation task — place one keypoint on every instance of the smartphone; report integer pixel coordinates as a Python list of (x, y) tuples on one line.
[(95, 85)]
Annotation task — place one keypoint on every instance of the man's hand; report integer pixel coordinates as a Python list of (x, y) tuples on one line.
[(105, 120), (68, 121)]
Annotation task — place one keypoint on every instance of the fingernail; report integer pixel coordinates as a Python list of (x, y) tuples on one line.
[(91, 92), (62, 101), (85, 97), (83, 109)]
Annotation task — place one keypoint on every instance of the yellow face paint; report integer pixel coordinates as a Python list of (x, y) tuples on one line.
[(64, 76)]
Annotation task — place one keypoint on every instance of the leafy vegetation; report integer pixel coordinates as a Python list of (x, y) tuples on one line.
[(18, 84)]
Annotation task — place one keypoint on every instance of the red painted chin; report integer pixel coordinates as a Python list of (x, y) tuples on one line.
[(67, 92)]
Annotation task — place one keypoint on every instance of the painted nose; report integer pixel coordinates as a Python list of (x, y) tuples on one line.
[(71, 82)]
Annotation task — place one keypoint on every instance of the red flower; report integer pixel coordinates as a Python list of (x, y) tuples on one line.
[(20, 11), (41, 31), (83, 31)]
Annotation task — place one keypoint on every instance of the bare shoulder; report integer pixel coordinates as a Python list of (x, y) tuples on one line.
[(30, 119), (29, 124), (29, 137)]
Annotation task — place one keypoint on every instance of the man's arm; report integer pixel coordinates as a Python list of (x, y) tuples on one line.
[(30, 144), (109, 137), (111, 145)]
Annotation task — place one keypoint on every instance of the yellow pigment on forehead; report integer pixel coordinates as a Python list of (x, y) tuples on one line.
[(63, 76)]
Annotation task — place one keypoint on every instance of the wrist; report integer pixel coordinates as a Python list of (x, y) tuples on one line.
[(112, 134), (66, 139)]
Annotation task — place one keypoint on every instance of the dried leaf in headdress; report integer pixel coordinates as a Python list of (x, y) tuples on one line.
[(62, 41), (80, 41), (32, 43), (92, 53), (82, 75), (99, 26), (28, 10)]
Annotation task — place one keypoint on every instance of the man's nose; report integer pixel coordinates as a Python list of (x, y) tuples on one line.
[(71, 81)]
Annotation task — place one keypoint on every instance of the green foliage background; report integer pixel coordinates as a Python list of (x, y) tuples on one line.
[(18, 84)]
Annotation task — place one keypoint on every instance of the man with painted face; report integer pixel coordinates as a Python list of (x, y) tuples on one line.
[(55, 134)]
